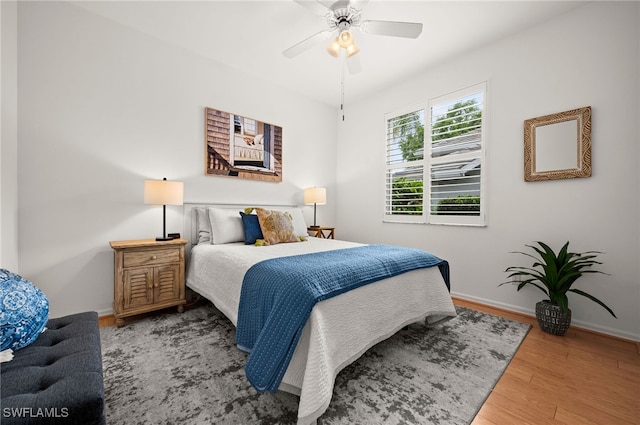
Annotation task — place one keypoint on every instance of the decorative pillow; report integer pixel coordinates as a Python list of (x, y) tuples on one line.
[(276, 226), (251, 226), (226, 226), (24, 311), (203, 225)]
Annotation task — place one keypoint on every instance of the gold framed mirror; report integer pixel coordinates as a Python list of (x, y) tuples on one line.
[(558, 146)]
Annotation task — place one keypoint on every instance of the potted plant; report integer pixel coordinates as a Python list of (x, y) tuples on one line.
[(555, 275)]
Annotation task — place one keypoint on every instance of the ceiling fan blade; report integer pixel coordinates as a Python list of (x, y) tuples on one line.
[(359, 4), (394, 29), (327, 3), (353, 64), (313, 6), (306, 44)]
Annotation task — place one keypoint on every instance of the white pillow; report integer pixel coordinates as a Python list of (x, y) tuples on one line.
[(226, 226), (299, 225), (203, 225)]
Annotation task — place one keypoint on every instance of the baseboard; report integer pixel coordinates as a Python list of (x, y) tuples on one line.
[(106, 320)]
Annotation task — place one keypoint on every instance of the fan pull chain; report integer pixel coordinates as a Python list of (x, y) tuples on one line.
[(342, 86)]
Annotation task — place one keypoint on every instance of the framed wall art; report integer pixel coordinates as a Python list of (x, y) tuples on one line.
[(237, 146)]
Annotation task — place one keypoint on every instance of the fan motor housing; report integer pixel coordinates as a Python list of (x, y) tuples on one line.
[(343, 17)]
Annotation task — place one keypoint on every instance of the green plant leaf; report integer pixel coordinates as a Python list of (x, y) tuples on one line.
[(532, 282), (562, 301), (594, 299)]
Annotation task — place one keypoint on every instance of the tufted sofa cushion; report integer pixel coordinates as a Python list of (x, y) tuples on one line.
[(58, 378)]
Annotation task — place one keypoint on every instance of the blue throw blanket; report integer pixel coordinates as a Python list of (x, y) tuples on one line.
[(278, 295)]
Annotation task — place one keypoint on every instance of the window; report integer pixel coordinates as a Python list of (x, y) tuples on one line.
[(437, 176)]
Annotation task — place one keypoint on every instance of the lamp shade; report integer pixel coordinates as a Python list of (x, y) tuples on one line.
[(163, 192), (315, 195)]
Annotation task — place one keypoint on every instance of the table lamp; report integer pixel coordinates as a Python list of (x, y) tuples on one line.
[(315, 196), (163, 192)]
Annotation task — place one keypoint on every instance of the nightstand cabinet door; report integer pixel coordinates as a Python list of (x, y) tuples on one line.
[(138, 287), (167, 284)]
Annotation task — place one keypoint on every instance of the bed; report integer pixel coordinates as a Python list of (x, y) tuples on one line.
[(374, 311)]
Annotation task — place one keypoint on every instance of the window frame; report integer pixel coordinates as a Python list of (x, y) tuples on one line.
[(426, 217)]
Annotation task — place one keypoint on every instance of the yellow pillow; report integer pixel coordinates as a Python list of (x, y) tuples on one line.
[(276, 226)]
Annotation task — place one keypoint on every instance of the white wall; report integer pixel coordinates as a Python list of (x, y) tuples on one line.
[(589, 56), (101, 109), (9, 136)]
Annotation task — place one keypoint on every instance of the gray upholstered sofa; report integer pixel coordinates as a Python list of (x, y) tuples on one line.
[(58, 378)]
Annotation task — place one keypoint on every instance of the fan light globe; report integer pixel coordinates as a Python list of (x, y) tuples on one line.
[(333, 48), (352, 50), (345, 39)]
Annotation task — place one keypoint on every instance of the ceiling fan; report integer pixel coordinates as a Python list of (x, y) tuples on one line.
[(342, 16)]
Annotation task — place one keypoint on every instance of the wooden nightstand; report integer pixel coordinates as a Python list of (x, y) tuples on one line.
[(322, 232), (148, 276)]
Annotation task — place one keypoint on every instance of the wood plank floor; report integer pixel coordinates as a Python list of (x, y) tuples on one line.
[(579, 378)]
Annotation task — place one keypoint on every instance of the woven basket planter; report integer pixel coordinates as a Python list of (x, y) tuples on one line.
[(550, 318)]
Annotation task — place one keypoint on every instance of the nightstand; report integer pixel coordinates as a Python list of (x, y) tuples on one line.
[(322, 232), (148, 276)]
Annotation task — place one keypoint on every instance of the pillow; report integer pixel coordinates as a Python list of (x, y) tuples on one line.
[(203, 225), (226, 226), (299, 224), (251, 226), (24, 311), (276, 226)]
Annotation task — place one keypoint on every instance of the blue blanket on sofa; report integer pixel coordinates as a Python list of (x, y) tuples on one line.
[(278, 295)]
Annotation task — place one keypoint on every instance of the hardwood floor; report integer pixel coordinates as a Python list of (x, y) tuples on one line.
[(581, 378)]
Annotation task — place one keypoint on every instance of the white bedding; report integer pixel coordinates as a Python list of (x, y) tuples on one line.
[(373, 312)]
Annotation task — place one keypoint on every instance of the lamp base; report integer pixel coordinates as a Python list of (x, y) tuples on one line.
[(161, 239), (314, 227)]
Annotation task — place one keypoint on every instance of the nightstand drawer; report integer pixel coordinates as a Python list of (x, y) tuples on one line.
[(150, 257)]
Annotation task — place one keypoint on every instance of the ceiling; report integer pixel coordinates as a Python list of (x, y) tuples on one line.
[(250, 36)]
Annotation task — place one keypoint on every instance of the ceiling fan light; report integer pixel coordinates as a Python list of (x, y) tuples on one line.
[(345, 39), (333, 48), (352, 50)]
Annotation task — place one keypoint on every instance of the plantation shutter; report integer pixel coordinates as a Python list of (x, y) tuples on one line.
[(404, 184), (456, 160)]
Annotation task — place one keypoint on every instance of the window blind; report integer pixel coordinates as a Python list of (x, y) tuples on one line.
[(404, 188), (456, 157)]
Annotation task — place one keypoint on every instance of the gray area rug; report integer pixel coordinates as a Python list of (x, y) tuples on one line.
[(184, 368)]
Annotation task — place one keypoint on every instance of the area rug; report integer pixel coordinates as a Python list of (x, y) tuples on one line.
[(184, 368)]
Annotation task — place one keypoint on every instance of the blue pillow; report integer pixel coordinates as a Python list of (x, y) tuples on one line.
[(252, 230), (24, 311)]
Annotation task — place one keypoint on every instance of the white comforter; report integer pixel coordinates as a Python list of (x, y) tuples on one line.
[(339, 329)]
